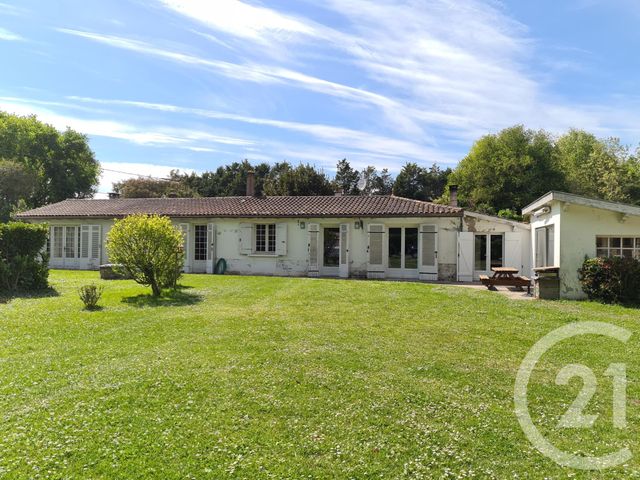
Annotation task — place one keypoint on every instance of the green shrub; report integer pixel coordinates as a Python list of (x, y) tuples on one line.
[(90, 295), (23, 263), (611, 280), (149, 249)]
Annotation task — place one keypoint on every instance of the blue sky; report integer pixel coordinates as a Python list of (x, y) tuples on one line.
[(193, 84)]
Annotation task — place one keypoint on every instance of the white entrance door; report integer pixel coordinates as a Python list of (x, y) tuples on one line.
[(344, 250), (375, 251), (200, 244)]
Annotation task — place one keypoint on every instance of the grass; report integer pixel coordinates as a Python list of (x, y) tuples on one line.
[(248, 377)]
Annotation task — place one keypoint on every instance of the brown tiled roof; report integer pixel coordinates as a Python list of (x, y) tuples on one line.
[(244, 207)]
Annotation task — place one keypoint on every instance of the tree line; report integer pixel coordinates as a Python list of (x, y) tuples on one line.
[(502, 173), (285, 179), (508, 170)]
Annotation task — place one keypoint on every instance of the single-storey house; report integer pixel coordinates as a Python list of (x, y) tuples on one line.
[(318, 236), (566, 228)]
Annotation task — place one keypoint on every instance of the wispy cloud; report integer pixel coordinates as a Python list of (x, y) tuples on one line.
[(158, 136), (9, 36), (346, 137), (241, 19), (261, 74), (458, 68), (7, 9)]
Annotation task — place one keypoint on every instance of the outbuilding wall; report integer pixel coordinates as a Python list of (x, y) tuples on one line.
[(579, 229)]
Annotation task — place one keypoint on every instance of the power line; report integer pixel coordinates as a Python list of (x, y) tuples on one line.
[(136, 174)]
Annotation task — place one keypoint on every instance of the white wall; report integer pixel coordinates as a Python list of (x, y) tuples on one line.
[(295, 262)]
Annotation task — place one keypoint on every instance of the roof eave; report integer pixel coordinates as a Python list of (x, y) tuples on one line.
[(384, 215)]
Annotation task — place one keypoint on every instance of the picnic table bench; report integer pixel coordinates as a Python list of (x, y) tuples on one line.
[(506, 277)]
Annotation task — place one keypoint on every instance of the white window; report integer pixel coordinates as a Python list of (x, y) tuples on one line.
[(545, 246), (265, 238), (628, 247)]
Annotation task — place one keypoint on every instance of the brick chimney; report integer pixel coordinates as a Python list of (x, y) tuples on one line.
[(251, 183), (453, 195)]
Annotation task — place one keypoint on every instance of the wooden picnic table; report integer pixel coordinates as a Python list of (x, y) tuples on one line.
[(505, 276), (504, 272)]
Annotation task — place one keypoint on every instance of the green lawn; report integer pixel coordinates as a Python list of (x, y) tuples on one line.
[(247, 377)]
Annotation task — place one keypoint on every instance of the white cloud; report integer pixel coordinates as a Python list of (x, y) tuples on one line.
[(241, 19), (157, 136), (9, 36)]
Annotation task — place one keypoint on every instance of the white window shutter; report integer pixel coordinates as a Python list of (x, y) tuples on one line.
[(84, 241), (96, 242), (314, 249), (246, 238), (211, 247), (465, 256), (375, 249), (429, 240), (184, 228), (344, 251), (513, 250), (281, 239)]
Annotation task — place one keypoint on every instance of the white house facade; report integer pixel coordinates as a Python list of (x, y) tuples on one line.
[(379, 237), (566, 228)]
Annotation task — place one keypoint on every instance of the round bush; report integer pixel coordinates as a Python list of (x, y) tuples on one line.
[(611, 280), (149, 249)]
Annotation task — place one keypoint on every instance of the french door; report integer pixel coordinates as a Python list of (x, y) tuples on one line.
[(402, 258), (488, 253), (76, 246)]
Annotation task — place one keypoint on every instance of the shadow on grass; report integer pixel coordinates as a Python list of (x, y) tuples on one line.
[(169, 298), (6, 297), (97, 308)]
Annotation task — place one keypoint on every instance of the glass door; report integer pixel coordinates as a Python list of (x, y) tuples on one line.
[(330, 251), (488, 253), (402, 259)]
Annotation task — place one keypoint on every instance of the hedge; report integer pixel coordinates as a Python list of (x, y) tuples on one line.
[(23, 263), (611, 280)]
